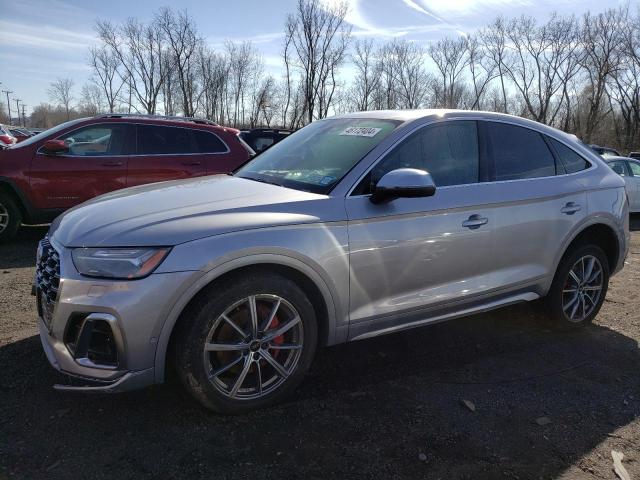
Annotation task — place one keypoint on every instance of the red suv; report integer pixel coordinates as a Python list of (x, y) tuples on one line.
[(78, 160)]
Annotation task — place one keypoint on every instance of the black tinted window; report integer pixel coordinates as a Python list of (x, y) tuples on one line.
[(519, 152), (208, 142), (99, 140), (449, 152), (158, 140), (571, 161)]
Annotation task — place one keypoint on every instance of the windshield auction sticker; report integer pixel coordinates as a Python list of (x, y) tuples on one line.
[(360, 131)]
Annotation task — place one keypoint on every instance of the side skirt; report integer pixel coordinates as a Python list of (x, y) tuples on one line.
[(360, 332)]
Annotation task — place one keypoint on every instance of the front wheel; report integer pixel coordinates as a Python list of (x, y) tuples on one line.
[(248, 344), (579, 288)]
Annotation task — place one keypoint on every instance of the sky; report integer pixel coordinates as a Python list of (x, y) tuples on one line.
[(41, 40)]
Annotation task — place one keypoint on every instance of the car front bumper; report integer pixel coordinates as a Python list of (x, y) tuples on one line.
[(132, 311)]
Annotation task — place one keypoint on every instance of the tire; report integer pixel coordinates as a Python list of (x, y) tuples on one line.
[(572, 303), (10, 217), (220, 317)]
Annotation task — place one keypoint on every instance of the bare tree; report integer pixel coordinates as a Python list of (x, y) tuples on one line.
[(451, 58), (139, 49), (542, 60), (494, 40), (182, 40), (92, 100), (367, 76), (601, 40), (60, 92), (319, 37), (482, 69), (624, 90), (105, 66)]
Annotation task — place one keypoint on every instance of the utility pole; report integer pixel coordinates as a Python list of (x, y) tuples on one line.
[(8, 104), (24, 119), (18, 109)]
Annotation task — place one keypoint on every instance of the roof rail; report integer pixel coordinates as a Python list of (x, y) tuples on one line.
[(203, 121)]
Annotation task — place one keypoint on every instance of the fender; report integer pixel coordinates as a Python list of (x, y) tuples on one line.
[(233, 264), (608, 220)]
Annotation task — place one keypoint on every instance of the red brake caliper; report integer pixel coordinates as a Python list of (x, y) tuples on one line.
[(279, 340)]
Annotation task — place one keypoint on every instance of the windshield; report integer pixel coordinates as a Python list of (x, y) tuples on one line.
[(316, 157), (52, 131)]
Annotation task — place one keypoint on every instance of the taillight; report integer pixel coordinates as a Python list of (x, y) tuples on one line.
[(9, 140)]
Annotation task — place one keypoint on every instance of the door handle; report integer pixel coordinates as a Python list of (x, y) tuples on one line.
[(192, 162), (475, 221), (570, 208), (112, 164)]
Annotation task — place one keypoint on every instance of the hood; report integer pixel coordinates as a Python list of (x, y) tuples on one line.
[(169, 213)]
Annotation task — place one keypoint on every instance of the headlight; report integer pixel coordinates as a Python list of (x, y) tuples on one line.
[(122, 263)]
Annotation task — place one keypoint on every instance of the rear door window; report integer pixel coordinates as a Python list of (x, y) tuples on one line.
[(161, 140), (518, 152)]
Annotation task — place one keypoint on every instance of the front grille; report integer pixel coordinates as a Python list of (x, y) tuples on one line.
[(47, 280)]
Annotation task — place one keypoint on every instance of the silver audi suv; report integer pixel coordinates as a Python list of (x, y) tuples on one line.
[(352, 227)]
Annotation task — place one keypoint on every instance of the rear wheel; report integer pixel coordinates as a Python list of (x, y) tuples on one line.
[(247, 345), (10, 217), (579, 287)]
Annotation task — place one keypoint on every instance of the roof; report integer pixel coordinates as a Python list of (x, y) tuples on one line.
[(409, 115), (169, 118), (614, 158)]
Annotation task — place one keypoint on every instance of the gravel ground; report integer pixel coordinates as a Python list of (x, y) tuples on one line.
[(491, 396)]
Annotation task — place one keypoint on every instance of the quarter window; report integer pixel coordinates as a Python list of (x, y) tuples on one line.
[(519, 152), (571, 161), (449, 152), (98, 140), (208, 142), (159, 140)]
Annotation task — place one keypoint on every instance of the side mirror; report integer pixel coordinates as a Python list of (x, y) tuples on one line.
[(55, 147), (403, 183)]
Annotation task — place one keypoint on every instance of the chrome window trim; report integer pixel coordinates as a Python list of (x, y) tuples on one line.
[(476, 118), (228, 150)]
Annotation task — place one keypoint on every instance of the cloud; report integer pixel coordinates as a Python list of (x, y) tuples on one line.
[(16, 35), (469, 7), (415, 6)]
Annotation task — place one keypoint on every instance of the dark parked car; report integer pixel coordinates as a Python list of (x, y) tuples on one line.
[(81, 159), (635, 155), (605, 151), (20, 134), (260, 139)]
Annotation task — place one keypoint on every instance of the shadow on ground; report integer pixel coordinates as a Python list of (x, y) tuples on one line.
[(21, 251), (367, 410)]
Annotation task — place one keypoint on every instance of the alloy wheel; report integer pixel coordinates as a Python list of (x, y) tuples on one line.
[(582, 289), (4, 218), (253, 347)]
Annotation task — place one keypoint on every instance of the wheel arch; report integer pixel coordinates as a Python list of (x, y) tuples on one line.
[(8, 187), (601, 232), (312, 283)]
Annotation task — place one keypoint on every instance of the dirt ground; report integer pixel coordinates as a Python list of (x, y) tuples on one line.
[(547, 405)]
